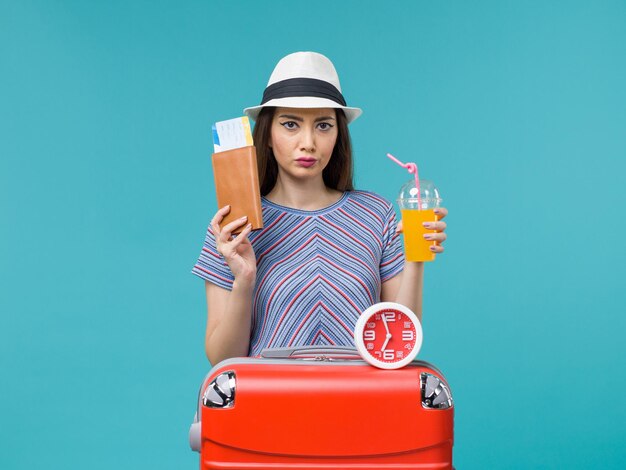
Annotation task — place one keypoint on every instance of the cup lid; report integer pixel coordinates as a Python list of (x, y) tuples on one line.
[(429, 196)]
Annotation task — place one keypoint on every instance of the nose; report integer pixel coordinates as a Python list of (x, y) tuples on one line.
[(307, 140)]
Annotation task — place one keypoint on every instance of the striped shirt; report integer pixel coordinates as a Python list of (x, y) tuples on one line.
[(316, 270)]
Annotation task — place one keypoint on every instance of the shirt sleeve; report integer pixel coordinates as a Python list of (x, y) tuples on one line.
[(392, 260), (211, 265)]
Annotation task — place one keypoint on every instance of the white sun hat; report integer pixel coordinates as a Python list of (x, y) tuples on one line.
[(304, 80)]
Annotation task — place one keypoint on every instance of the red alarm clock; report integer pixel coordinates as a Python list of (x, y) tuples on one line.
[(388, 335)]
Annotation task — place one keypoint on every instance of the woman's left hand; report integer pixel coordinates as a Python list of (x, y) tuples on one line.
[(439, 237), (440, 227)]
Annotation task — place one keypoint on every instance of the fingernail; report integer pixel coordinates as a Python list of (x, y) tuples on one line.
[(429, 236), (432, 248), (249, 226), (244, 217), (437, 211), (427, 224)]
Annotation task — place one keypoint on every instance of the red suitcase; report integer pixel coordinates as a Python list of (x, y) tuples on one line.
[(322, 408)]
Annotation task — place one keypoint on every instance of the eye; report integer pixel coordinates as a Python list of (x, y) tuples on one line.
[(325, 126), (289, 125)]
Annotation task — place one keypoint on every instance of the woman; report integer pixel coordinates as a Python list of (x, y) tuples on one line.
[(326, 252)]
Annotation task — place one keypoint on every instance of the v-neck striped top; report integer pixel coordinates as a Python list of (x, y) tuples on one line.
[(316, 270)]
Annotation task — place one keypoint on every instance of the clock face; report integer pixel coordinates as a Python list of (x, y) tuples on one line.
[(388, 335)]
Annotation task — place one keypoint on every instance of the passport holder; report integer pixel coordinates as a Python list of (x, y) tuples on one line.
[(237, 184)]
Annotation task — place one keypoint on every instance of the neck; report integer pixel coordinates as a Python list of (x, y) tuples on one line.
[(304, 195)]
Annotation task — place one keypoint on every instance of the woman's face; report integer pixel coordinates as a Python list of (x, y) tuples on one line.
[(303, 140)]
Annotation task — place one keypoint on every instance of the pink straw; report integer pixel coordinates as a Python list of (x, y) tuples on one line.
[(411, 168)]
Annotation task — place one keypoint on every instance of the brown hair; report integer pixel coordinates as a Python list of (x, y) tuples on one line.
[(337, 174)]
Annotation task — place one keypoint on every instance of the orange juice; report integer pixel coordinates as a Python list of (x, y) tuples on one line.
[(416, 247)]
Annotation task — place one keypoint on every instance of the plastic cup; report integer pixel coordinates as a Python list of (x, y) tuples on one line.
[(415, 211)]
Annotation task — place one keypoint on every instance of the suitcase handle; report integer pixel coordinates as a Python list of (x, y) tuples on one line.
[(318, 353)]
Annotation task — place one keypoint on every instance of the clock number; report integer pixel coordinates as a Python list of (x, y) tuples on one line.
[(390, 316), (388, 354), (369, 335), (407, 335)]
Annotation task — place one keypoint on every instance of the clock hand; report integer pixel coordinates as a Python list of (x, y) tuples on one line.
[(387, 338), (385, 323)]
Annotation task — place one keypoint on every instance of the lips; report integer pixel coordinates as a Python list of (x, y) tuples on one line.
[(306, 162)]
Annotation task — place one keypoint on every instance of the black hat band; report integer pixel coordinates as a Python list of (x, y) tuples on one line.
[(302, 87)]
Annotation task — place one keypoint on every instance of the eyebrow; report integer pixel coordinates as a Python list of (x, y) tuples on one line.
[(298, 118)]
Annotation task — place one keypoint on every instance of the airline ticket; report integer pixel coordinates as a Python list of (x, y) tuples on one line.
[(231, 134)]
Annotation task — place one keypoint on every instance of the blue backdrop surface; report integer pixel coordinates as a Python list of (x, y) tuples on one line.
[(517, 110)]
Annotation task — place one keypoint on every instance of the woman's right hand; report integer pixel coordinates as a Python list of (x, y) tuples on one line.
[(237, 251)]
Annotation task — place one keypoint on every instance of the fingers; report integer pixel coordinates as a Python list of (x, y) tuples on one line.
[(243, 236), (436, 237), (225, 233), (226, 242), (436, 249), (217, 218), (399, 227), (441, 212), (437, 226), (227, 230)]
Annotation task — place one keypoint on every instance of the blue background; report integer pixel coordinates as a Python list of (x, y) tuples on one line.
[(517, 110)]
